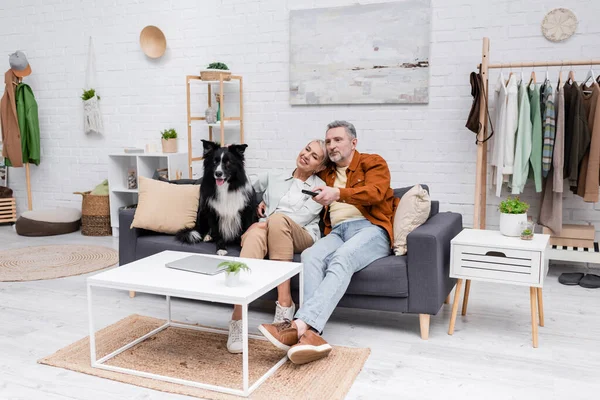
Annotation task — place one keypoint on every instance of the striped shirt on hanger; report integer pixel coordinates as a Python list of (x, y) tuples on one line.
[(548, 127)]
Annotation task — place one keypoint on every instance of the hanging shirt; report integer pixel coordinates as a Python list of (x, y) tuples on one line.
[(548, 127), (587, 186), (503, 150), (551, 203), (577, 135), (27, 112), (523, 143), (536, 136), (11, 135)]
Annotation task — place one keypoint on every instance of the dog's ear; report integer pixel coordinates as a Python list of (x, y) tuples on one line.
[(209, 146), (238, 148)]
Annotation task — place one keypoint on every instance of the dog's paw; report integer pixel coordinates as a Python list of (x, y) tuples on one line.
[(194, 237), (208, 238), (222, 252)]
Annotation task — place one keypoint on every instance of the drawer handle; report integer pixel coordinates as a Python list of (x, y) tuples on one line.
[(495, 254)]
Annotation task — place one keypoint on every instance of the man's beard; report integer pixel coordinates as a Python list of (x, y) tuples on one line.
[(336, 157)]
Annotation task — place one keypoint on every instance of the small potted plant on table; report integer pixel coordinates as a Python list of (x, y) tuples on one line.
[(512, 213), (169, 141), (232, 271), (212, 72)]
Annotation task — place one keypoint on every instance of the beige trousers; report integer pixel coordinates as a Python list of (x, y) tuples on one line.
[(280, 239)]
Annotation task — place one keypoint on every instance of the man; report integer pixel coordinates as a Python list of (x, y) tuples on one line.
[(358, 204)]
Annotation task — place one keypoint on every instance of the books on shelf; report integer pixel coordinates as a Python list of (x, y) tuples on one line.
[(133, 150)]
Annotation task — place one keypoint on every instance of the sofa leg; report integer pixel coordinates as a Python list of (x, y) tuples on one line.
[(424, 321), (447, 301), (131, 294)]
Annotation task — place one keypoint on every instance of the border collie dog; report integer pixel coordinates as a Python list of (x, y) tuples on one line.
[(227, 200)]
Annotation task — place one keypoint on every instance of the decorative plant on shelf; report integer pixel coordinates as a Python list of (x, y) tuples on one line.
[(513, 212), (169, 141), (512, 205), (169, 134), (218, 65), (214, 71), (232, 271), (88, 94)]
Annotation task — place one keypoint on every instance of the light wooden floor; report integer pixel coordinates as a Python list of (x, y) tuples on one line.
[(490, 355)]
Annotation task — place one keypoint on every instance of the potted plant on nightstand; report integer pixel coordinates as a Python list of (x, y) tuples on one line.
[(212, 72), (169, 141), (232, 271), (513, 212)]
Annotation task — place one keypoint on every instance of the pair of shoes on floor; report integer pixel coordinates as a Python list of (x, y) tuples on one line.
[(588, 281), (309, 347), (234, 340)]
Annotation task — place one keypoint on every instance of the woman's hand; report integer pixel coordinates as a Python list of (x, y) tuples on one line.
[(261, 209)]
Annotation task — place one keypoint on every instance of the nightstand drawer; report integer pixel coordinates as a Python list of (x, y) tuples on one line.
[(495, 264)]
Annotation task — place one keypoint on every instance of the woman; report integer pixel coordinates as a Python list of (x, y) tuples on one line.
[(289, 224)]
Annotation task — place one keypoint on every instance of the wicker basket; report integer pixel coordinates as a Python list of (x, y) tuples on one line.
[(213, 74), (95, 215)]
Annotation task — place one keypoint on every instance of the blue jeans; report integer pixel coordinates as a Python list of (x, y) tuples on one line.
[(330, 263)]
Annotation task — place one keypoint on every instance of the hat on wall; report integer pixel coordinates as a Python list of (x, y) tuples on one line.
[(19, 64), (153, 41)]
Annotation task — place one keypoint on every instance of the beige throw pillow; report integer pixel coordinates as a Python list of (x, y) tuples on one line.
[(411, 213), (165, 207)]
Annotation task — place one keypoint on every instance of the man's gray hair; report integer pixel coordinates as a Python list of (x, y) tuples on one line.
[(350, 130), (321, 144)]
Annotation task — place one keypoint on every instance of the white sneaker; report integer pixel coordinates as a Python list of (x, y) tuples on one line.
[(283, 313), (234, 341)]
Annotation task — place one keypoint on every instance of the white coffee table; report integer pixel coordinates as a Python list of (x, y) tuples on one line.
[(149, 275)]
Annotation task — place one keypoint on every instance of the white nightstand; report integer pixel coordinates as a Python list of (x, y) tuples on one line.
[(487, 255)]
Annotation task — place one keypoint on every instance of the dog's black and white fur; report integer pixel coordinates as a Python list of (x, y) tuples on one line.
[(227, 200)]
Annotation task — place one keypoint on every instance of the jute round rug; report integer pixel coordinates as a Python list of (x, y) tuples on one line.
[(54, 261)]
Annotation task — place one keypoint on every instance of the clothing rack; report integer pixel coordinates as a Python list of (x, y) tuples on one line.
[(479, 215)]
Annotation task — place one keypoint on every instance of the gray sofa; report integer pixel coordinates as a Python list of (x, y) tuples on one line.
[(417, 283)]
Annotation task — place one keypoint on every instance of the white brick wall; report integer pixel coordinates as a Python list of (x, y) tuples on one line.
[(140, 96)]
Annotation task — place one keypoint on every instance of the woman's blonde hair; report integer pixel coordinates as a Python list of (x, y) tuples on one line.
[(321, 143)]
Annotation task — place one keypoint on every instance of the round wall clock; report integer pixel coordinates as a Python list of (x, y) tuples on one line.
[(559, 24)]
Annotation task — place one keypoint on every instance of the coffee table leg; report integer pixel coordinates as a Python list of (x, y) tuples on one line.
[(534, 330), (455, 306), (540, 305), (169, 309), (91, 325), (245, 347)]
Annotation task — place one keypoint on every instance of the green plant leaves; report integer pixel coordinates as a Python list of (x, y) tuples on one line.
[(88, 94), (512, 205), (217, 65), (169, 134), (234, 267)]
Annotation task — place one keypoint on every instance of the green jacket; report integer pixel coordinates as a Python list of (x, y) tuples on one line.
[(27, 114)]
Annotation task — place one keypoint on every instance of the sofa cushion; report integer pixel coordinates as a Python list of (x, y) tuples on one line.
[(165, 208), (152, 244), (412, 212), (384, 277)]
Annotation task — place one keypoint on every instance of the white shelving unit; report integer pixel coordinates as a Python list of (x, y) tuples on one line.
[(144, 164)]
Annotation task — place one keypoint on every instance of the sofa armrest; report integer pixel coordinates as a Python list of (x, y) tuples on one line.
[(429, 262), (127, 237)]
